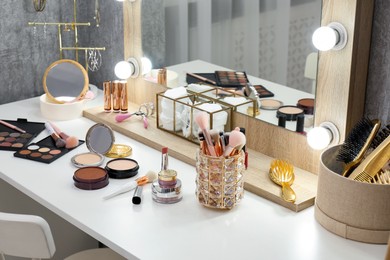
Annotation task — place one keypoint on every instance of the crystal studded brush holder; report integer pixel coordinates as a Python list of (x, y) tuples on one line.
[(219, 180)]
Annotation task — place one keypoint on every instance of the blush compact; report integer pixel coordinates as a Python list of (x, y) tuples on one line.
[(122, 168), (291, 112), (90, 178)]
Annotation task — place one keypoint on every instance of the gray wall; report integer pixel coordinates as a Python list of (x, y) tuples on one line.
[(25, 51), (24, 57), (378, 85)]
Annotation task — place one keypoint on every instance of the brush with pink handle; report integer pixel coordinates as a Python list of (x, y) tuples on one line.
[(237, 140), (121, 117), (70, 141), (202, 119)]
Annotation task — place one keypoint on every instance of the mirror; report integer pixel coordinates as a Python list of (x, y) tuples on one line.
[(100, 138), (65, 81), (269, 40)]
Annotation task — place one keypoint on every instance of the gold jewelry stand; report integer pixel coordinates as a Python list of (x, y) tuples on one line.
[(67, 27)]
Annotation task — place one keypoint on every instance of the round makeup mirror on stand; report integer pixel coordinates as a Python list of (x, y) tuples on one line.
[(65, 81)]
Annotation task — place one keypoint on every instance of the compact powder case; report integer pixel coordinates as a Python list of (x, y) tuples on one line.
[(307, 104), (291, 112), (90, 178), (270, 104), (122, 168), (100, 142), (87, 159), (119, 151)]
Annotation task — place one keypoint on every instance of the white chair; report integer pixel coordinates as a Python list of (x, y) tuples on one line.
[(30, 236)]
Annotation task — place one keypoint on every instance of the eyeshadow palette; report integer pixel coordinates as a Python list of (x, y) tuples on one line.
[(43, 151), (263, 92), (12, 140), (231, 79)]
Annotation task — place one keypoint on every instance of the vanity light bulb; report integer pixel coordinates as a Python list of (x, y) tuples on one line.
[(124, 69), (325, 38), (319, 138), (146, 65)]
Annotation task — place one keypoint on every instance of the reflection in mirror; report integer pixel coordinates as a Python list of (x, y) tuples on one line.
[(65, 81), (268, 39), (100, 138)]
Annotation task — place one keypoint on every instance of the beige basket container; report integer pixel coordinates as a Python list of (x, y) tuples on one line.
[(348, 208)]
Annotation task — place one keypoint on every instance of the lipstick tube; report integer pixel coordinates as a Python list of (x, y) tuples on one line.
[(107, 96), (116, 96), (123, 98)]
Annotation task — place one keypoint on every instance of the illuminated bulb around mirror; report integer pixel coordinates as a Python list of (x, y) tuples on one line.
[(146, 65), (331, 37), (322, 136), (124, 69)]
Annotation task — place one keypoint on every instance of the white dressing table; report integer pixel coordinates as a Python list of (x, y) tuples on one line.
[(255, 229)]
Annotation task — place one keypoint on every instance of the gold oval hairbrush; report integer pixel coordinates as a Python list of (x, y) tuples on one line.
[(282, 173)]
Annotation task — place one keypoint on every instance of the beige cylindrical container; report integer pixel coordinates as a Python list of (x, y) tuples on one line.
[(219, 180), (348, 208), (116, 96), (123, 99), (107, 96)]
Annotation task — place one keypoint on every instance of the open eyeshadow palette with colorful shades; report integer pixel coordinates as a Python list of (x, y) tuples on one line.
[(43, 151), (236, 81), (12, 140)]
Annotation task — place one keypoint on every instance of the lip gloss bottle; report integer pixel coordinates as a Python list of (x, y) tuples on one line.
[(123, 96), (116, 96), (107, 96)]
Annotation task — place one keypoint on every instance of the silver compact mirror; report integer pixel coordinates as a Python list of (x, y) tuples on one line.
[(65, 81), (100, 138)]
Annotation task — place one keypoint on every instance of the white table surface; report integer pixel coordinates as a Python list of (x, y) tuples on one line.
[(288, 96), (255, 229)]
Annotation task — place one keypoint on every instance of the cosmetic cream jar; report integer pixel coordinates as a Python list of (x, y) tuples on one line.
[(166, 195)]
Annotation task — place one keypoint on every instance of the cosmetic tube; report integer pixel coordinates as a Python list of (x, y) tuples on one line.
[(116, 96), (137, 196), (107, 96), (123, 97)]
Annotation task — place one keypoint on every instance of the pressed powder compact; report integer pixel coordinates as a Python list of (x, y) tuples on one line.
[(270, 104), (122, 168), (100, 142), (167, 188), (43, 151), (90, 178), (291, 112)]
